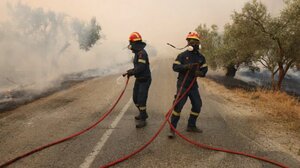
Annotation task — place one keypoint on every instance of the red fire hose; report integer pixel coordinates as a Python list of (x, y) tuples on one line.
[(178, 98), (225, 150), (160, 128), (69, 137)]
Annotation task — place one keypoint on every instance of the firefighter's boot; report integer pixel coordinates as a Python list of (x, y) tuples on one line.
[(174, 121), (141, 124), (171, 134), (142, 114), (141, 119), (194, 129), (138, 117), (192, 125)]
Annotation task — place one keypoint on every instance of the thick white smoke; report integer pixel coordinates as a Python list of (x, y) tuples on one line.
[(43, 51), (37, 46)]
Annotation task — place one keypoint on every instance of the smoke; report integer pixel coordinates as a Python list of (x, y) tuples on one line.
[(37, 46), (291, 83), (44, 51)]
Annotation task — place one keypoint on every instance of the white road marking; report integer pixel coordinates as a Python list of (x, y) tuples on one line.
[(91, 157)]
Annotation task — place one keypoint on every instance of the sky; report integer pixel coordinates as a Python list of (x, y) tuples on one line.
[(158, 21)]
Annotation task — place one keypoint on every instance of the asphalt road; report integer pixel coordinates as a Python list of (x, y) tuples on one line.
[(74, 109)]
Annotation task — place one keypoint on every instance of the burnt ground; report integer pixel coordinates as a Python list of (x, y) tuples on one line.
[(234, 83), (18, 97)]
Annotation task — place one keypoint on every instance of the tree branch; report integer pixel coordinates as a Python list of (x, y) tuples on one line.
[(258, 23), (263, 64), (264, 59), (276, 70), (288, 65)]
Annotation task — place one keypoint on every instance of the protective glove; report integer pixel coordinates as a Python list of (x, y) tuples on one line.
[(199, 74), (187, 66), (130, 72), (190, 66)]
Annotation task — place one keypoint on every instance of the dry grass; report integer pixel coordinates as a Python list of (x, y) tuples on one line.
[(277, 115), (278, 105)]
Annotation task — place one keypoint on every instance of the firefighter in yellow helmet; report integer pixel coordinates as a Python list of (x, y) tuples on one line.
[(193, 61), (142, 73)]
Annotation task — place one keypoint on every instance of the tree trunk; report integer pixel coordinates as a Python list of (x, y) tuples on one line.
[(280, 77), (273, 81), (282, 73), (230, 71)]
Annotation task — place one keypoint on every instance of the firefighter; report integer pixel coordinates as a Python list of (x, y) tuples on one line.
[(142, 73), (193, 61)]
